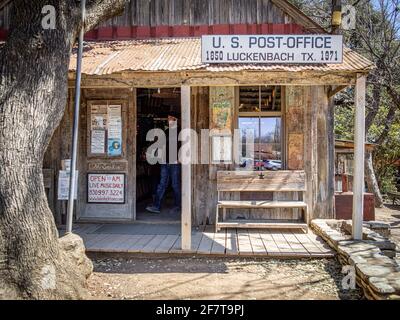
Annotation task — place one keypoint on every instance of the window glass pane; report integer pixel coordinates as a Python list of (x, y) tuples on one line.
[(270, 146), (249, 133), (260, 151)]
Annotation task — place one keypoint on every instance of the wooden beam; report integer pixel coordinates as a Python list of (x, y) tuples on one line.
[(335, 89), (186, 220), (203, 78), (359, 141)]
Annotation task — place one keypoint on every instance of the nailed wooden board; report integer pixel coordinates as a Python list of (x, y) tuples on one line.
[(262, 204), (97, 238), (207, 240), (115, 242), (319, 242), (154, 243), (308, 244), (231, 242), (244, 243), (269, 243), (126, 242), (295, 244), (139, 245), (250, 181), (177, 247), (168, 242), (258, 224), (196, 239), (218, 246), (256, 243), (102, 243), (281, 243)]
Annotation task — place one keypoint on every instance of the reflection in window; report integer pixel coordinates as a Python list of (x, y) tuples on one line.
[(266, 134)]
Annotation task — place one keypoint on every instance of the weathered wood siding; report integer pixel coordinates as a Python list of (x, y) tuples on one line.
[(308, 132), (189, 12), (198, 12), (318, 152)]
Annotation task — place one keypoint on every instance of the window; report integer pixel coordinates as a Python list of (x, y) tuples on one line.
[(260, 126)]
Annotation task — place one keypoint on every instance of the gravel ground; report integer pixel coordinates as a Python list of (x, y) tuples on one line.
[(217, 278)]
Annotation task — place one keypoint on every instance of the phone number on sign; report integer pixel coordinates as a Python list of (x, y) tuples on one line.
[(105, 192)]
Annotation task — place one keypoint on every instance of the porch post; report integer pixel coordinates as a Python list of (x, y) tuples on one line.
[(359, 153), (186, 220)]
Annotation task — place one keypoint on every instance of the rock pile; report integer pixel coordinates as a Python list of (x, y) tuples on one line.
[(376, 273)]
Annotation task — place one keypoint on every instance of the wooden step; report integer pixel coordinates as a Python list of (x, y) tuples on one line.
[(262, 204), (262, 224)]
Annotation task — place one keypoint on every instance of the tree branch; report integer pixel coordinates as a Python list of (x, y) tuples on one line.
[(102, 10)]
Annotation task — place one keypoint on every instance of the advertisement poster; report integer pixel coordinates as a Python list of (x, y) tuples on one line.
[(114, 130), (106, 188), (221, 104), (99, 117), (63, 185), (98, 142)]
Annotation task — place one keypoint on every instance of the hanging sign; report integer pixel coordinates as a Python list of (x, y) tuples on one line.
[(114, 130), (106, 188), (282, 49)]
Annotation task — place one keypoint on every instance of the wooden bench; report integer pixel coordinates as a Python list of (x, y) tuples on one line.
[(271, 181)]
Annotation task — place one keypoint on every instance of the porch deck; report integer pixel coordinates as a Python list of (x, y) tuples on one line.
[(165, 239)]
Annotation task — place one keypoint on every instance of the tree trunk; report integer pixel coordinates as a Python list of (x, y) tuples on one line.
[(34, 63), (372, 183)]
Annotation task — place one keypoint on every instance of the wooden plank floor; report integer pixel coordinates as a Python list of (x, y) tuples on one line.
[(227, 242)]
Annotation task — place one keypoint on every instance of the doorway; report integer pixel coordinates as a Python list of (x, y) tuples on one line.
[(153, 108)]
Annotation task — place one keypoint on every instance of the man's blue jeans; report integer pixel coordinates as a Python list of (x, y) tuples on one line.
[(168, 171)]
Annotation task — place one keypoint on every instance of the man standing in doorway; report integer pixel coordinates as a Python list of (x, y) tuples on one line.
[(171, 169)]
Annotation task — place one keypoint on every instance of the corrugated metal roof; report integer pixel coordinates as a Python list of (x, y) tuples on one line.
[(184, 54)]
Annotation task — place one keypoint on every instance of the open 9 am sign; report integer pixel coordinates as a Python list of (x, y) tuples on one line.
[(106, 188)]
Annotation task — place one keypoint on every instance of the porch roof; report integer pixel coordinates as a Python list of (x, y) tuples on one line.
[(184, 54)]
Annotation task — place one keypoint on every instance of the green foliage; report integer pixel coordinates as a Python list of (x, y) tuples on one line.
[(385, 155)]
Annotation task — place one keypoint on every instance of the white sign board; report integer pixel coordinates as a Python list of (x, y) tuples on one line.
[(98, 141), (106, 188), (63, 184), (281, 49)]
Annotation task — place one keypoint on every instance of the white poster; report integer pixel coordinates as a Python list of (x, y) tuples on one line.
[(63, 184), (99, 117), (282, 49), (106, 188), (222, 149), (114, 130), (98, 142)]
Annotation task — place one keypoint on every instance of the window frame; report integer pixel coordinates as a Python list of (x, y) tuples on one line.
[(266, 114)]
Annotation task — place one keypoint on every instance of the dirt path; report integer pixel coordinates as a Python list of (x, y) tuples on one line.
[(203, 278)]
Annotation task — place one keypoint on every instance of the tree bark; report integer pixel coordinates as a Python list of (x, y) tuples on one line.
[(34, 263), (370, 177)]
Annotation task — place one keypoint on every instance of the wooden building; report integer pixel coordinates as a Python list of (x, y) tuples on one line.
[(150, 58)]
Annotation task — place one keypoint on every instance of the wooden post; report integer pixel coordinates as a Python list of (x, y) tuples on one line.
[(186, 220), (359, 143)]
